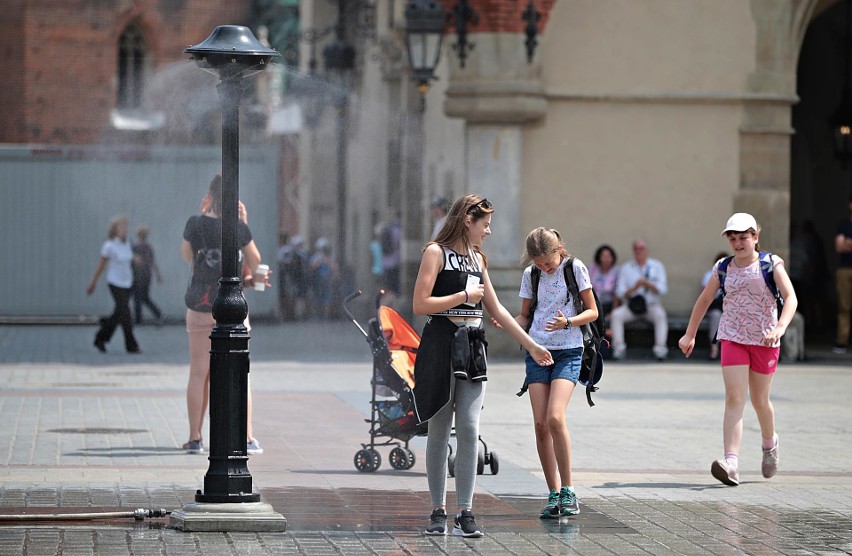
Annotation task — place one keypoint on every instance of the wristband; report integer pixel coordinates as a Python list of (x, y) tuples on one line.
[(568, 323), (466, 297)]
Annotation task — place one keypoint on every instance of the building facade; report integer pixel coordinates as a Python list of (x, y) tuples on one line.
[(653, 120)]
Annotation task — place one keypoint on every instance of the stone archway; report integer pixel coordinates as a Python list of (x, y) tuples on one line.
[(765, 146), (820, 185)]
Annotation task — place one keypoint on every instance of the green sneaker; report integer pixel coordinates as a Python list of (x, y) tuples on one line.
[(551, 511), (568, 502)]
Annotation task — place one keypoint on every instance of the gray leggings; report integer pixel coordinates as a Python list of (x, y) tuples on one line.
[(466, 399)]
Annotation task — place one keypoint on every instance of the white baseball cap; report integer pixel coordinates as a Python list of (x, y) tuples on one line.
[(740, 222)]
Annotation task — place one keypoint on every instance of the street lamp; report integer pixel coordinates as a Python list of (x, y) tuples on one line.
[(232, 53), (424, 31)]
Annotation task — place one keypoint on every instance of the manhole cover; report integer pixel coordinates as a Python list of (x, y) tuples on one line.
[(96, 430)]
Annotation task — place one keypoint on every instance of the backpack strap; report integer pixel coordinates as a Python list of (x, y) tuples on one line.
[(535, 278), (723, 272), (768, 271), (571, 284)]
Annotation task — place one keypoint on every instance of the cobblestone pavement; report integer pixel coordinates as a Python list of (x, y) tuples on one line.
[(87, 432)]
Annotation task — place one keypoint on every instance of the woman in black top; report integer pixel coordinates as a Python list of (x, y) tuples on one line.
[(452, 286), (202, 248)]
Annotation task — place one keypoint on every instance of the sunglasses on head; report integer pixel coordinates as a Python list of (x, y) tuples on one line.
[(484, 203)]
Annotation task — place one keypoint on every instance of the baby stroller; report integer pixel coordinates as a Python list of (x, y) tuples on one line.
[(394, 344)]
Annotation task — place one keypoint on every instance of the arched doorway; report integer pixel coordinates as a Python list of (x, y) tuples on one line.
[(820, 185)]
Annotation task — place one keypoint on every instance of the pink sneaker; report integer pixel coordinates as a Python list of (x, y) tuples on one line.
[(769, 466), (725, 472)]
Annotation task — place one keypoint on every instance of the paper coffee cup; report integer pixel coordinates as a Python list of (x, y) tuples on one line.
[(260, 277)]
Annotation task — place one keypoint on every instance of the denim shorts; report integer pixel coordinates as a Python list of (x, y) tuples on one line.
[(566, 364)]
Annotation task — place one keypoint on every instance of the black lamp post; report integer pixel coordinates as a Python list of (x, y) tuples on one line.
[(232, 53)]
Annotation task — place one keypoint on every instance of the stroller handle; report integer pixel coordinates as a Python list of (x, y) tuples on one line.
[(379, 297), (347, 300)]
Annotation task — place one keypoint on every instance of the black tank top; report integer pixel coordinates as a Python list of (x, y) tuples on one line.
[(453, 279)]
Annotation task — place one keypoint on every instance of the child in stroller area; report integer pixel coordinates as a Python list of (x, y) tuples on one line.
[(451, 288)]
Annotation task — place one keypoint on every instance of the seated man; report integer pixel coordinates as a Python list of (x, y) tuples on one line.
[(643, 277)]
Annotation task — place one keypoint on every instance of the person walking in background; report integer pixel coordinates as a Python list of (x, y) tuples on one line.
[(322, 269), (641, 284), (286, 287), (451, 288), (391, 240), (376, 271), (554, 324), (750, 331), (714, 311), (843, 246), (116, 258), (439, 208), (144, 269), (299, 276), (202, 248)]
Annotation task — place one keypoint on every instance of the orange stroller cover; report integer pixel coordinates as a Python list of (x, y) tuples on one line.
[(402, 341)]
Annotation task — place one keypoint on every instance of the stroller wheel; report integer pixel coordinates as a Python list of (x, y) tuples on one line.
[(480, 462), (451, 465), (377, 458), (411, 458), (365, 462), (495, 464), (398, 458)]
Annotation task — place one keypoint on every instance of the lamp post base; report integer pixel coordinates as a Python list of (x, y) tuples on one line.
[(246, 517)]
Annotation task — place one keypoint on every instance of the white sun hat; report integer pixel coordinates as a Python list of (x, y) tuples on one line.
[(740, 222)]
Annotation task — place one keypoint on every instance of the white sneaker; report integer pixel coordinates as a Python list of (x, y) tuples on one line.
[(725, 472), (769, 465), (253, 447), (619, 354)]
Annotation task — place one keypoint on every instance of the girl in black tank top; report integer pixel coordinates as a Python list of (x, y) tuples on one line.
[(442, 289)]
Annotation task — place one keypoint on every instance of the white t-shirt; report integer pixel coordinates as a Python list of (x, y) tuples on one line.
[(119, 256), (552, 297)]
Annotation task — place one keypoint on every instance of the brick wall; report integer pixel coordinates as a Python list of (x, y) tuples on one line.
[(60, 59), (11, 55)]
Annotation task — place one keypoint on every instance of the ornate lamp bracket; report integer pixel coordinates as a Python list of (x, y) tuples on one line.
[(532, 17)]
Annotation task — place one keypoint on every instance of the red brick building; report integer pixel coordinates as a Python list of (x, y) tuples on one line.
[(76, 71)]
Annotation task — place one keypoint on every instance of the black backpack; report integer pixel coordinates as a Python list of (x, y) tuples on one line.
[(591, 369)]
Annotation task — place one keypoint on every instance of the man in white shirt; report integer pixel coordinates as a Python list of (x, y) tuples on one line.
[(644, 277)]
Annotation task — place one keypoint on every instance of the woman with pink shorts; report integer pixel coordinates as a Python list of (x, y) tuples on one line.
[(750, 331)]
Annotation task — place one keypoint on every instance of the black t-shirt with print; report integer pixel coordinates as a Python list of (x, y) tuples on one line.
[(204, 234)]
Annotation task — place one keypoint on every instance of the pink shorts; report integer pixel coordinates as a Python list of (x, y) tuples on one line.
[(760, 359)]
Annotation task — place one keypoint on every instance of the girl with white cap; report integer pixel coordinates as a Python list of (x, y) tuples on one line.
[(750, 331)]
